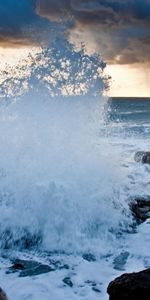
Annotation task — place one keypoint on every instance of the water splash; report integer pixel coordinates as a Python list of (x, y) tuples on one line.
[(59, 188), (60, 70)]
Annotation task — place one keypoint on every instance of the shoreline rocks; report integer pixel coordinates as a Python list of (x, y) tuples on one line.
[(130, 286), (3, 295), (29, 268), (143, 157), (140, 209)]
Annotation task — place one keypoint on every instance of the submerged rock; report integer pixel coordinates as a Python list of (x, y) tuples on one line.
[(143, 157), (130, 286), (67, 281), (120, 261), (29, 268), (96, 290), (89, 257), (141, 209), (3, 295)]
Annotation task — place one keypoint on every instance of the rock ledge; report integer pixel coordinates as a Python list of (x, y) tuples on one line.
[(130, 286)]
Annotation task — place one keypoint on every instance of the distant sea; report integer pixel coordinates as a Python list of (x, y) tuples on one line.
[(131, 113)]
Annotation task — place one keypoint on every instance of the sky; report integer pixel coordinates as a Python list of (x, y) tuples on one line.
[(117, 29)]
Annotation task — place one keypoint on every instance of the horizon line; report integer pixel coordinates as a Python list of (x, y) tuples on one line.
[(126, 97)]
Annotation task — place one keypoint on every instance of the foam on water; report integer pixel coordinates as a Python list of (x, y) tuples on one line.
[(58, 182)]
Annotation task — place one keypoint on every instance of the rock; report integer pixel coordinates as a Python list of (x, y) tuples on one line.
[(65, 266), (91, 282), (68, 281), (140, 209), (96, 290), (58, 265), (3, 295), (131, 286), (29, 268), (94, 285), (89, 257), (143, 157), (18, 266), (120, 261)]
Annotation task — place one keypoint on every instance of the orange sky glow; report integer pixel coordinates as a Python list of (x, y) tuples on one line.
[(127, 80)]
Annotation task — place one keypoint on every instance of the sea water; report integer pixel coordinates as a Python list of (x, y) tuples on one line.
[(67, 177)]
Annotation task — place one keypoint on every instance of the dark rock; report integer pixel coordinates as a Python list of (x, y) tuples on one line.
[(3, 295), (131, 286), (65, 266), (18, 266), (96, 290), (140, 209), (93, 285), (41, 269), (91, 282), (143, 157), (29, 268), (58, 265), (120, 261), (89, 257), (68, 281)]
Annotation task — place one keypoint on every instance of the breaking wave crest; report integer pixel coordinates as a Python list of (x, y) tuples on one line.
[(60, 189)]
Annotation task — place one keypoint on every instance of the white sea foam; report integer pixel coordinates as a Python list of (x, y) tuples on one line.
[(60, 180)]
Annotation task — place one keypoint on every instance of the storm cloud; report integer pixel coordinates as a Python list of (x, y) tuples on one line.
[(119, 29), (19, 23)]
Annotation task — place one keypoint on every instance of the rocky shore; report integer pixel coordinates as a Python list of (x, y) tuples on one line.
[(3, 295), (133, 286), (130, 286), (143, 157)]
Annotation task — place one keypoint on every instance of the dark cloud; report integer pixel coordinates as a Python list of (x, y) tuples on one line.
[(53, 9), (19, 23), (14, 17), (119, 29), (97, 11)]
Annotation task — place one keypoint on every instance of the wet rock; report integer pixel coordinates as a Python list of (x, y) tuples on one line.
[(96, 290), (29, 268), (89, 257), (3, 295), (94, 285), (58, 265), (140, 209), (18, 266), (131, 286), (143, 157), (65, 266), (91, 282), (120, 261), (68, 281)]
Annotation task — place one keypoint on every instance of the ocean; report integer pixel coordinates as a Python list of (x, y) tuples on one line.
[(67, 176)]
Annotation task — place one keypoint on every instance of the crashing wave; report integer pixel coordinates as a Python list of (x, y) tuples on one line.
[(59, 189)]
